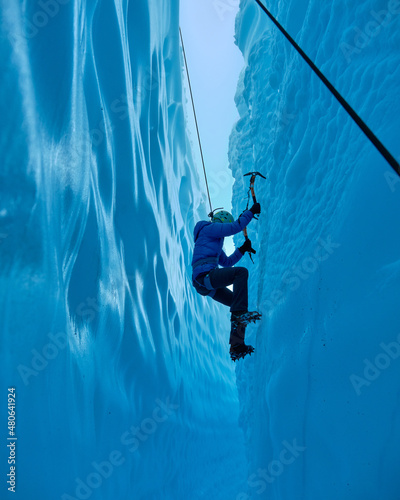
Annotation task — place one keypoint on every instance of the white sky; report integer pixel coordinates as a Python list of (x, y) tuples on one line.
[(214, 63)]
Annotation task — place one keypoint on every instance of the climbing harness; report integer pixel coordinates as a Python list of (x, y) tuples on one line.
[(206, 260), (363, 126), (253, 194), (205, 288)]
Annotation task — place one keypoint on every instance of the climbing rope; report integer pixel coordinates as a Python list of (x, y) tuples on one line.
[(363, 126), (195, 119)]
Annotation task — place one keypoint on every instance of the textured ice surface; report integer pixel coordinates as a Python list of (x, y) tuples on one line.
[(325, 376), (124, 384)]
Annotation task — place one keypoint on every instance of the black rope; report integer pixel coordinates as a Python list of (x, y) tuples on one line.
[(363, 126), (195, 119)]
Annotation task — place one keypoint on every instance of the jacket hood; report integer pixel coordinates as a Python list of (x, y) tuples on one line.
[(199, 226)]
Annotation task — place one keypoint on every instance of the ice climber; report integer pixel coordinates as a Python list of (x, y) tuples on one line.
[(212, 281)]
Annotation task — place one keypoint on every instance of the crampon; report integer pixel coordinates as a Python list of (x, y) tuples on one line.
[(246, 318), (239, 351)]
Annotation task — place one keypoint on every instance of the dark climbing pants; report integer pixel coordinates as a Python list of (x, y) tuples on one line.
[(236, 300), (220, 279)]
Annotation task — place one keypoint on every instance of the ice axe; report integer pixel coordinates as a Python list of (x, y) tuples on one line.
[(253, 194)]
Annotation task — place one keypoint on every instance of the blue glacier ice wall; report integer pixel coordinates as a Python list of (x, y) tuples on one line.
[(320, 399), (123, 384)]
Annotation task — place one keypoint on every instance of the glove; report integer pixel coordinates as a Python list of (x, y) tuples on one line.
[(246, 247), (255, 209)]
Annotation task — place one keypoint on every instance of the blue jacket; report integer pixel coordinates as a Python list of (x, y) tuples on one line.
[(209, 239)]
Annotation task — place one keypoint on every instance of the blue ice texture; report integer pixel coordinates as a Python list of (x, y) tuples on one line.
[(119, 371)]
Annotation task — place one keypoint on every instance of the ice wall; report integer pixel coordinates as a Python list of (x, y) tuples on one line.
[(123, 384), (320, 399)]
